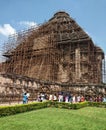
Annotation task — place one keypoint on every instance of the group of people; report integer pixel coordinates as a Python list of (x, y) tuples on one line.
[(41, 97), (98, 98), (72, 98), (60, 97), (65, 97)]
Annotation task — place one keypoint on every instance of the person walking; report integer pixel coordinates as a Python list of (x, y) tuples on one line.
[(25, 98)]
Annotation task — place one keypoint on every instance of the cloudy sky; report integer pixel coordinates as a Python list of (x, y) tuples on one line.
[(17, 15)]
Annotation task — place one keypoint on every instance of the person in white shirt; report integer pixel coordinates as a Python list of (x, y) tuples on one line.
[(27, 94)]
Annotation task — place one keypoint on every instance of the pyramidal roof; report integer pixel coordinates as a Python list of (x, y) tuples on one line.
[(61, 15), (62, 24)]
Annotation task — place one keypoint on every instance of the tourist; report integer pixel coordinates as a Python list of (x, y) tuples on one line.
[(25, 98), (39, 98), (82, 99), (60, 98), (54, 97), (78, 98), (104, 99), (42, 97), (50, 97), (73, 99), (66, 98)]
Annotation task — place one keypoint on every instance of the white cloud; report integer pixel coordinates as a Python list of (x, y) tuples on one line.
[(7, 30), (28, 23), (87, 32), (105, 58)]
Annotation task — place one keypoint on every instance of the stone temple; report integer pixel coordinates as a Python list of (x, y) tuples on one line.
[(55, 56)]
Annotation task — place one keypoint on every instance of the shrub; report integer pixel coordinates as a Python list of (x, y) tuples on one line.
[(10, 110), (97, 104), (68, 105)]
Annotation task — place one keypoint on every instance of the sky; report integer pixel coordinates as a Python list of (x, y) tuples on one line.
[(17, 15)]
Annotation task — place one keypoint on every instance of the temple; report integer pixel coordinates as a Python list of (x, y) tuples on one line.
[(56, 53)]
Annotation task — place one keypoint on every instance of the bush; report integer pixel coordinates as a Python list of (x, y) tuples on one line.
[(97, 104), (10, 110), (68, 105)]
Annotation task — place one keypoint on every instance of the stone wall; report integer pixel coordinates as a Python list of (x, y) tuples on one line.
[(12, 90)]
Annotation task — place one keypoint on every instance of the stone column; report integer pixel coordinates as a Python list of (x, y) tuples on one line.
[(77, 64)]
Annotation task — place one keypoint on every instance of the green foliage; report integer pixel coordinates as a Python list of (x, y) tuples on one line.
[(97, 104), (69, 105), (11, 110)]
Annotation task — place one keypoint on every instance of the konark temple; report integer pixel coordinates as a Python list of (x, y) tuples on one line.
[(55, 56)]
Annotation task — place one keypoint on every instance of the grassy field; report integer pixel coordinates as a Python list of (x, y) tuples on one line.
[(57, 119)]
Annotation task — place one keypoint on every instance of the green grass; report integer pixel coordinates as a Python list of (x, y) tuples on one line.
[(88, 118)]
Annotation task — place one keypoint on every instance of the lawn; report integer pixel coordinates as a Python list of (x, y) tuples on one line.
[(88, 118)]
